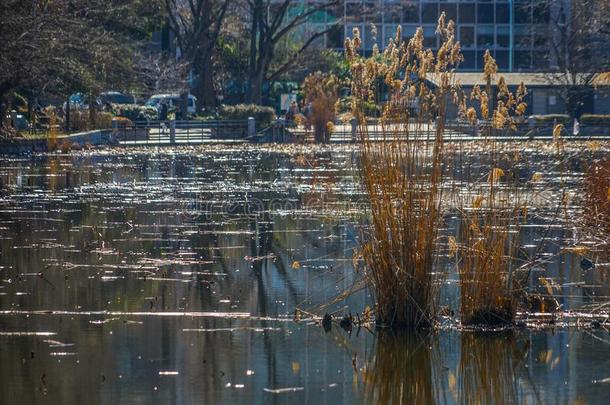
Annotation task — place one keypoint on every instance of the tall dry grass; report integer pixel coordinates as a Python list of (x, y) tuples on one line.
[(403, 172), (322, 91), (492, 215), (489, 241), (597, 196), (403, 175)]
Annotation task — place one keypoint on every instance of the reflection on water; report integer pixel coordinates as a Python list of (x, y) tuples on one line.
[(489, 366), (172, 277), (404, 369)]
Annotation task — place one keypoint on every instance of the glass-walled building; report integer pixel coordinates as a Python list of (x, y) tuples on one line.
[(517, 32)]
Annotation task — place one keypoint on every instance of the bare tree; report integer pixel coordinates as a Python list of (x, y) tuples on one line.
[(56, 47), (197, 25), (270, 23), (578, 45)]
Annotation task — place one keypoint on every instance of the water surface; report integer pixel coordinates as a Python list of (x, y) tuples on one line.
[(173, 276)]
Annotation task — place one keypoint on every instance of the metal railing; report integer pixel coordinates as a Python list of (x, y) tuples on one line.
[(180, 132)]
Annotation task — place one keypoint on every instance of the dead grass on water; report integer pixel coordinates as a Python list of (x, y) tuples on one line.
[(403, 175)]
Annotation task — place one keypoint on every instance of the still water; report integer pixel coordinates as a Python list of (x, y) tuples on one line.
[(173, 276)]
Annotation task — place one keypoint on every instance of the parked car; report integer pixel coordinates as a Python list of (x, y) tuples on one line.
[(115, 97), (80, 101), (172, 100)]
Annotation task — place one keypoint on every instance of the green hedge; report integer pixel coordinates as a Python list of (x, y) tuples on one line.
[(594, 119), (264, 116), (134, 112), (550, 118)]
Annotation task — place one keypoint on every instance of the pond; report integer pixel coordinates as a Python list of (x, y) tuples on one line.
[(172, 276)]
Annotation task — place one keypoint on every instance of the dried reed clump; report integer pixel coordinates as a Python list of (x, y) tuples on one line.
[(322, 91), (489, 242), (491, 221), (597, 197), (403, 174)]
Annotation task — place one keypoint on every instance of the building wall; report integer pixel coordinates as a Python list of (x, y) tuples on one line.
[(517, 32)]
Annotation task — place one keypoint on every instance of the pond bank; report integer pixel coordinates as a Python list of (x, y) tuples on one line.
[(24, 146)]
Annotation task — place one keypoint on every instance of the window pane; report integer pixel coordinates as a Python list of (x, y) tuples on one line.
[(467, 13), (541, 36), (523, 14), (408, 31), (410, 12), (450, 11), (485, 13), (503, 36), (391, 14), (353, 12), (485, 36), (502, 13), (334, 38), (467, 37), (429, 13), (502, 60), (522, 36), (430, 37), (372, 13), (540, 60), (469, 60), (522, 59)]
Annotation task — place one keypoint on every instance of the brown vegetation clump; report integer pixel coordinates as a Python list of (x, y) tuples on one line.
[(597, 196), (488, 238), (322, 91), (65, 146), (489, 242), (403, 173)]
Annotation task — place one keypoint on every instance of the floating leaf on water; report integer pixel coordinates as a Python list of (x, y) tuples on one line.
[(296, 265), (296, 367)]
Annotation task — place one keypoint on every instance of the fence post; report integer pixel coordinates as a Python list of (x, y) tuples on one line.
[(354, 123), (251, 127), (172, 132)]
